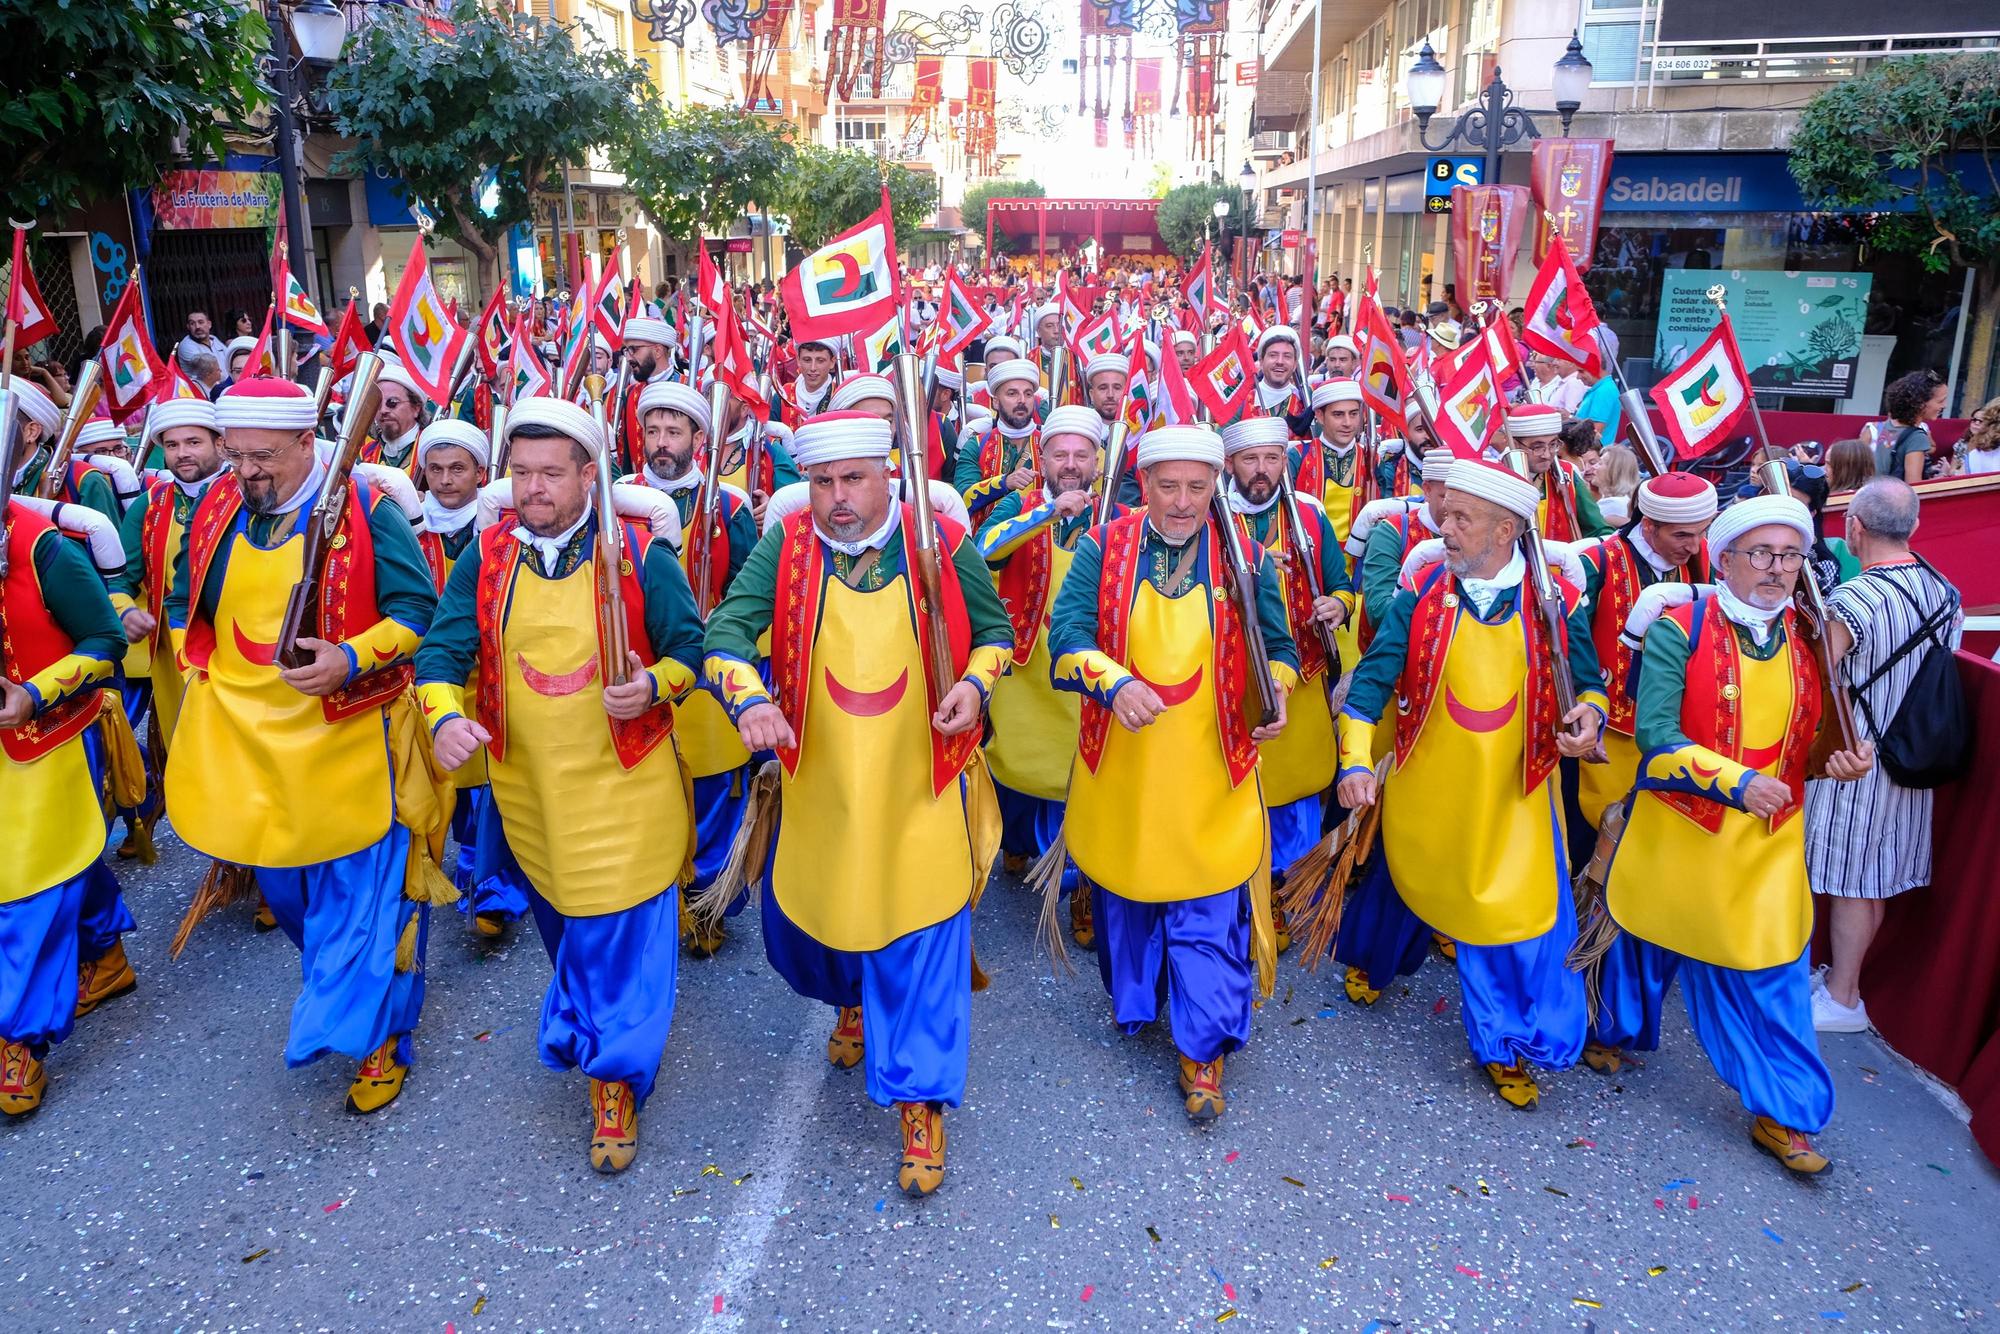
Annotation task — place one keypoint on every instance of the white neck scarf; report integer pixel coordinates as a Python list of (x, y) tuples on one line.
[(1760, 623), (687, 481), (810, 399), (877, 539), (549, 549), (1240, 503), (1659, 563), (1270, 395), (1016, 432), (308, 491), (401, 446), (196, 489), (439, 518), (1424, 516), (1485, 592)]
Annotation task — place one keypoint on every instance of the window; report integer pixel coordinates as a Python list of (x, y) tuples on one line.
[(859, 133), (1615, 33)]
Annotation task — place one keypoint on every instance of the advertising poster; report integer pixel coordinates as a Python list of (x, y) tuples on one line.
[(1800, 333), (185, 200)]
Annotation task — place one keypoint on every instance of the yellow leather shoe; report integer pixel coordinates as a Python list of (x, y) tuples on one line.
[(614, 1137), (1358, 989), (378, 1081), (845, 1048), (265, 920), (923, 1148), (109, 974), (702, 938), (488, 926), (1794, 1152), (22, 1080), (1201, 1085), (1281, 927), (1515, 1084), (1082, 926), (1603, 1059), (1014, 863), (1447, 948)]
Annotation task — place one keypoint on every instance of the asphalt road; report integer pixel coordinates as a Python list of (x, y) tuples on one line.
[(1365, 1178)]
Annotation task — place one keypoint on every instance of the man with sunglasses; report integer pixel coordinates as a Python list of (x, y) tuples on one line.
[(1710, 877)]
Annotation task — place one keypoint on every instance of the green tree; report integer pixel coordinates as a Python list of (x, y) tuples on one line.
[(1160, 181), (505, 98), (101, 92), (972, 209), (1917, 137), (698, 169), (1187, 217), (829, 190)]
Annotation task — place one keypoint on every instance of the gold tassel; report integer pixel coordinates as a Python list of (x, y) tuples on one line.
[(141, 828), (121, 749), (423, 880), (980, 981), (744, 867), (1045, 877), (225, 883), (406, 945)]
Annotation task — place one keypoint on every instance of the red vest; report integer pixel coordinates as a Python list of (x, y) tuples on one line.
[(1712, 709), (1622, 582), (1298, 592), (499, 562), (347, 604), (995, 450), (802, 575), (31, 642), (717, 534), (1025, 582), (159, 562), (1562, 484), (1414, 532), (1229, 659)]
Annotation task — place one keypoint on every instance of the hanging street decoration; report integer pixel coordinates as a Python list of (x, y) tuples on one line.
[(666, 20), (1021, 39)]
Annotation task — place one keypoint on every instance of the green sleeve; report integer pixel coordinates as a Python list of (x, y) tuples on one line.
[(451, 646), (672, 624), (965, 469), (983, 610), (746, 608), (76, 598), (95, 492), (403, 588), (1373, 683), (783, 471), (131, 531), (1381, 569), (1662, 682), (1073, 618), (1585, 673), (1278, 643), (742, 532)]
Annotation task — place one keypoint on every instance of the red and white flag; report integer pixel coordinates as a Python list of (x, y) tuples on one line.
[(1471, 408), (1703, 398), (961, 320), (729, 351), (526, 376), (349, 342), (491, 335), (26, 310), (1199, 288), (1561, 321), (847, 285), (1177, 402), (422, 331), (134, 375), (1226, 377), (1384, 375), (300, 312)]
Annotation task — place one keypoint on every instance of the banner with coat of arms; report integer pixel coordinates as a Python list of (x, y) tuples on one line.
[(1567, 177), (1486, 226)]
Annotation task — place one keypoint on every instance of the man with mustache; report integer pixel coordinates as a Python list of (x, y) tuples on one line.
[(1463, 654), (586, 778), (1029, 539), (888, 823), (1329, 468), (648, 351), (1709, 880), (313, 776), (397, 421), (1005, 459), (1165, 815), (1568, 511)]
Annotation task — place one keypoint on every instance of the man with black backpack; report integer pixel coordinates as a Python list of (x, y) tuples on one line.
[(1892, 629)]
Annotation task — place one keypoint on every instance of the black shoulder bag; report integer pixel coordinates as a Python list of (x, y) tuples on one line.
[(1928, 741)]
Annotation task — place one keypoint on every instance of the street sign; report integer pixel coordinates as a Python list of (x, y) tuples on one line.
[(1290, 240), (1247, 72), (1444, 172)]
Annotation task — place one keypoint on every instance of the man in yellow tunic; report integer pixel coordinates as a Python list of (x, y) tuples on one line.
[(313, 776), (889, 824), (1329, 468), (1464, 655), (1568, 511), (1029, 539), (1166, 816), (1709, 880), (588, 783)]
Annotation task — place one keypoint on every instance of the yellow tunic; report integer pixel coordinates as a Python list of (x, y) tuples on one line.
[(257, 776), (1599, 785), (52, 808), (591, 836), (1738, 898), (140, 660), (866, 855), (1158, 822), (1035, 725), (1300, 762), (1472, 856)]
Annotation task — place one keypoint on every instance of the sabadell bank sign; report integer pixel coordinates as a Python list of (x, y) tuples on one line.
[(1701, 183)]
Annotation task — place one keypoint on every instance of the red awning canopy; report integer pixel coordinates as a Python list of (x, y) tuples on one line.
[(1124, 226)]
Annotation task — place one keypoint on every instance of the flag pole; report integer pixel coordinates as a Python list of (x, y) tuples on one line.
[(1717, 294)]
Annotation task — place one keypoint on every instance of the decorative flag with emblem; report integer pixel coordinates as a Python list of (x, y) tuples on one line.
[(1177, 405), (422, 331), (848, 284), (1225, 377), (1199, 289), (1703, 399), (729, 351), (608, 301), (177, 384), (1140, 411), (300, 312), (876, 348), (526, 376), (576, 351), (133, 371), (260, 361), (1503, 353), (1472, 409), (349, 342), (1561, 321), (961, 320), (491, 338), (1098, 334), (26, 310), (1384, 375)]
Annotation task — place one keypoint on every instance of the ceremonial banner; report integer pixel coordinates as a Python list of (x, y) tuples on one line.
[(848, 284), (1561, 321), (133, 371), (422, 331), (1177, 405), (1487, 222), (300, 312), (26, 310), (729, 352), (1098, 334), (1567, 179), (1472, 409), (1199, 289), (1225, 377), (526, 376), (491, 338), (1384, 377), (1703, 399), (1139, 409), (855, 43), (960, 319), (929, 92), (609, 304), (981, 127), (876, 348), (349, 342)]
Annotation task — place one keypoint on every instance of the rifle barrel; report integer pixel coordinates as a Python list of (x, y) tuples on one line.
[(302, 604)]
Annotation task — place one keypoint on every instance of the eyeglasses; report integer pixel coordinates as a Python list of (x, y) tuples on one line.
[(263, 458), (1763, 558)]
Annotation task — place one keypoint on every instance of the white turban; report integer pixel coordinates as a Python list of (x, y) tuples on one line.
[(177, 412), (559, 415), (1018, 369), (1342, 343), (1175, 444), (1047, 309), (1074, 419), (451, 431), (1757, 512), (266, 403), (1004, 343), (674, 395), (1503, 486), (1677, 497), (1436, 463), (1329, 392), (1106, 361), (950, 379), (36, 406), (1274, 333), (859, 389), (394, 372), (1251, 432), (1532, 421), (241, 343), (99, 431), (646, 329), (1186, 336), (832, 436)]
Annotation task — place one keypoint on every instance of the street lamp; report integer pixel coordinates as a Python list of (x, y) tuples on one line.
[(316, 30), (1220, 210), (1494, 123)]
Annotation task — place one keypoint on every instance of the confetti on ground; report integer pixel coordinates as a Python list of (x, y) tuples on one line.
[(1935, 1168), (1054, 1221), (1484, 1189), (1775, 1238), (479, 1306), (1854, 1287), (1591, 1302), (711, 1171), (1231, 1156), (1076, 1182), (718, 1303), (1327, 1014), (1154, 1233), (1293, 1181), (1656, 1271), (1459, 1190), (1694, 1201), (1581, 1144), (1088, 1289), (1659, 1203), (256, 1255), (1833, 1315), (1677, 1183), (1397, 1199), (481, 1037), (1229, 1291), (337, 1204), (685, 1190), (880, 1205), (1300, 1020), (1553, 1191), (1227, 1315), (1869, 1070), (745, 1177), (1329, 1262), (1377, 1326), (1469, 1273), (1439, 1007)]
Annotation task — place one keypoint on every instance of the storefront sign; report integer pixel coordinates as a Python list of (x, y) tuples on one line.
[(1567, 178), (1800, 333), (1247, 72), (191, 200), (1441, 173), (1702, 183), (1291, 238)]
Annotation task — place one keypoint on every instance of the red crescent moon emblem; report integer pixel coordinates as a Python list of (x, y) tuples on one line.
[(1702, 771), (867, 703), (850, 275), (255, 652), (1762, 757), (1480, 720), (1178, 693), (555, 686)]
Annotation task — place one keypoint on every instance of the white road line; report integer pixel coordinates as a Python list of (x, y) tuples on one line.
[(740, 1252)]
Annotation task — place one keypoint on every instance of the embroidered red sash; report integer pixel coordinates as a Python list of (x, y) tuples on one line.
[(347, 604), (1298, 595), (1024, 582), (154, 526), (31, 641), (996, 450), (1413, 532), (632, 739), (1562, 478), (718, 534), (802, 575), (1229, 657), (1712, 707)]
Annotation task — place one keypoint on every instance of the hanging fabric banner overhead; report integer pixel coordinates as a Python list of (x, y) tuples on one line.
[(1568, 177), (1487, 223)]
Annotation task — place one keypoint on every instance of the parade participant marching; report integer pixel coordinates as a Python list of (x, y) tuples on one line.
[(814, 387), (1329, 469), (1709, 880), (1343, 358), (39, 425), (649, 345), (1466, 655), (889, 825), (313, 775), (453, 458), (1297, 767), (1005, 458), (999, 348), (676, 420), (1104, 377), (397, 421), (1187, 348), (1165, 815), (1029, 539), (588, 783), (61, 645), (1279, 390), (1386, 532), (1568, 509)]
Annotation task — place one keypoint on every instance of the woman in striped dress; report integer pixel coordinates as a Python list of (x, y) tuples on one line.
[(1870, 840)]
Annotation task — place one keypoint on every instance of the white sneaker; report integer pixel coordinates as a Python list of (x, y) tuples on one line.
[(1830, 1016)]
